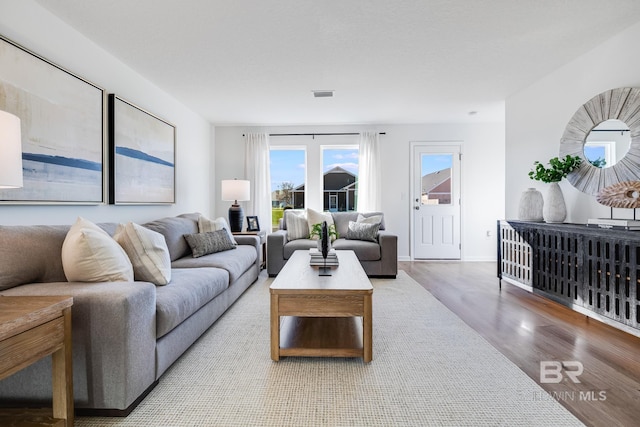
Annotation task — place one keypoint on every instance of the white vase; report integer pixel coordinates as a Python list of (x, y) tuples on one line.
[(530, 207), (555, 210)]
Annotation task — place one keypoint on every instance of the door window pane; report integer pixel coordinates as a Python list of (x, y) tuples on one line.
[(339, 179), (288, 173), (436, 179)]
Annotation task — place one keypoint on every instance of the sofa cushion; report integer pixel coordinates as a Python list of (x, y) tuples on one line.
[(301, 244), (173, 229), (206, 225), (89, 254), (147, 250), (189, 290), (363, 231), (209, 242), (365, 251), (235, 262), (297, 225)]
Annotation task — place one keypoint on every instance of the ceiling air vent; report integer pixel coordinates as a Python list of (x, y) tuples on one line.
[(322, 94)]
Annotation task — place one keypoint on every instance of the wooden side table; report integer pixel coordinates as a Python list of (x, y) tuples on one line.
[(262, 234), (33, 327)]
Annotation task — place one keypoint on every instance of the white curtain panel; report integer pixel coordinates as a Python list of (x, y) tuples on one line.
[(257, 171), (369, 176)]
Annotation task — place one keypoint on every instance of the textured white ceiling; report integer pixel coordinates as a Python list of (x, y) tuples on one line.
[(389, 61)]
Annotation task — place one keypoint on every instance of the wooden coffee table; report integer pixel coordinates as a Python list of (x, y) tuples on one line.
[(321, 316)]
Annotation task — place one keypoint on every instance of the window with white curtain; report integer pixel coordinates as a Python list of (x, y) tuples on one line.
[(288, 170), (316, 171)]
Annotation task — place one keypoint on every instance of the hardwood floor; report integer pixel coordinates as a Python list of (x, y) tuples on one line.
[(529, 329)]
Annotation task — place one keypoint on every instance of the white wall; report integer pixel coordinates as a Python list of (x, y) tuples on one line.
[(28, 24), (482, 174), (536, 118)]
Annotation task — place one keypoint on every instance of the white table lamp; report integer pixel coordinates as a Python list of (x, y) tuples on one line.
[(235, 190), (10, 151)]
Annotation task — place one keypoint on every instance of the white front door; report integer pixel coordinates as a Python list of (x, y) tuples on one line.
[(436, 202)]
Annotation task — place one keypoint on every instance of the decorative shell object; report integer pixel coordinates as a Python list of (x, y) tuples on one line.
[(621, 195)]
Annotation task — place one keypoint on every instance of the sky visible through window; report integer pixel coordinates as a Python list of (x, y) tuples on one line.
[(435, 162), (289, 165)]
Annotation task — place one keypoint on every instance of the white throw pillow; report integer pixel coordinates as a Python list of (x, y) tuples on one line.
[(147, 251), (373, 219), (297, 225), (206, 225), (89, 254), (315, 217)]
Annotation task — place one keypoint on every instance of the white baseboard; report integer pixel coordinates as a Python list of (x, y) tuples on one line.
[(473, 259), (480, 259)]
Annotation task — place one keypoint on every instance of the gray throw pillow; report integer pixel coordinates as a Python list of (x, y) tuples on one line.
[(363, 231), (209, 242)]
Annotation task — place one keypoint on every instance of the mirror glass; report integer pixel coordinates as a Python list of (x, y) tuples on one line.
[(607, 143), (621, 103)]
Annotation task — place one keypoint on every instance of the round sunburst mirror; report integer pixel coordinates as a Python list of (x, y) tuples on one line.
[(622, 104)]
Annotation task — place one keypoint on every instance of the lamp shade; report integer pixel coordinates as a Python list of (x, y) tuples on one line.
[(10, 151), (235, 189)]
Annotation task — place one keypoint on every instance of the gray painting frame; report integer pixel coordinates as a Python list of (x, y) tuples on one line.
[(62, 125), (142, 156)]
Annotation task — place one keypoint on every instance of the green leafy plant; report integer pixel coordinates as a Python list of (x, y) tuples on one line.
[(557, 169), (316, 231)]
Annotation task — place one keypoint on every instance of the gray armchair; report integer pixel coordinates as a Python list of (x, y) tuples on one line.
[(378, 259)]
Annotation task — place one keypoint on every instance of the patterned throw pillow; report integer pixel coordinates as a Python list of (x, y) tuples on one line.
[(297, 225), (205, 225), (208, 243), (147, 251), (363, 231)]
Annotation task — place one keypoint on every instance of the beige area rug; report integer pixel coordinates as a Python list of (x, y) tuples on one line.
[(429, 368)]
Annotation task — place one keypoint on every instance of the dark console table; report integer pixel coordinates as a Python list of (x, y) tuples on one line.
[(591, 270)]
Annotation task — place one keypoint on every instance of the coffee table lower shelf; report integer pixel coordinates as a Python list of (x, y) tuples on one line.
[(321, 336)]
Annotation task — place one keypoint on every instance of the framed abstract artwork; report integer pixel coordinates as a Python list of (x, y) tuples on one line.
[(141, 156), (62, 127)]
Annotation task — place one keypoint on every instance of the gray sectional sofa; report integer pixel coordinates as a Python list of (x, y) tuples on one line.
[(125, 334), (378, 259)]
